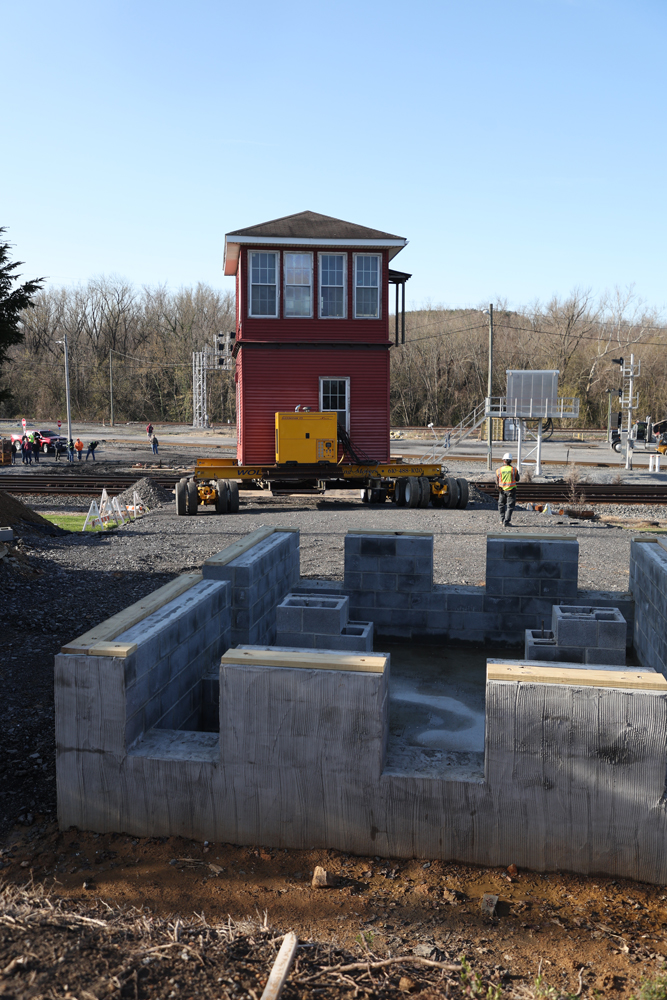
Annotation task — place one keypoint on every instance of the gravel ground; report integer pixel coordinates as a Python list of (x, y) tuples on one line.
[(164, 543)]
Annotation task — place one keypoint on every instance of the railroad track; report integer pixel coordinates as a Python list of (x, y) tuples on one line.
[(92, 485), (651, 493), (84, 485)]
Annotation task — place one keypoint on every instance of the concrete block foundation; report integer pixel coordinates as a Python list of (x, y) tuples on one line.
[(171, 720)]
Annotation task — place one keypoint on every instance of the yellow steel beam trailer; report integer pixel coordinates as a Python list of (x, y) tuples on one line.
[(306, 450)]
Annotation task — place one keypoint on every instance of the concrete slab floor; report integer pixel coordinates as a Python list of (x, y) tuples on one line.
[(437, 708)]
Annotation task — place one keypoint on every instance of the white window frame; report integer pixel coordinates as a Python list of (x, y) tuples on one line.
[(378, 256), (337, 378), (276, 314), (332, 253), (304, 253)]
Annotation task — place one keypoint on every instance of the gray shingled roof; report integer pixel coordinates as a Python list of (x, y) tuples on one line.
[(312, 225)]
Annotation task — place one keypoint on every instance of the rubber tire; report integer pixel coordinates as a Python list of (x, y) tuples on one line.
[(365, 495), (183, 480), (181, 499), (233, 499), (452, 496), (437, 500), (192, 496), (412, 492), (376, 495), (222, 500), (399, 493), (464, 493), (45, 449), (424, 491), (617, 446), (17, 447)]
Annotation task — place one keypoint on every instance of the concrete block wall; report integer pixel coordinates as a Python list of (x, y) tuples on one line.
[(176, 647), (648, 584), (104, 704), (389, 579), (313, 726), (260, 578)]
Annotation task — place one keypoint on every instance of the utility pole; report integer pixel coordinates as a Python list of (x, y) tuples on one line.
[(69, 408), (489, 457), (111, 387), (630, 373)]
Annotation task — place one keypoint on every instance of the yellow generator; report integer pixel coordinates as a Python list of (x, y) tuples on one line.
[(306, 438)]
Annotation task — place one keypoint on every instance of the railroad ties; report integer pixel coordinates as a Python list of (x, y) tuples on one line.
[(72, 484), (650, 493)]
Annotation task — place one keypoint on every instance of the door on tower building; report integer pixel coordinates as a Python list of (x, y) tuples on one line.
[(335, 395)]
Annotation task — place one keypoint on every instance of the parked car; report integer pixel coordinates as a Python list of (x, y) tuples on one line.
[(48, 443)]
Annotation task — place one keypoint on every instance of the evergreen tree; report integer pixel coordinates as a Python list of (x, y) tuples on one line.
[(13, 300)]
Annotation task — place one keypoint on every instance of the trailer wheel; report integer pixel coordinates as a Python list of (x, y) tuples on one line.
[(464, 493), (192, 496), (222, 499), (365, 495), (377, 495), (399, 492), (412, 492), (452, 496), (233, 499), (424, 491), (181, 499)]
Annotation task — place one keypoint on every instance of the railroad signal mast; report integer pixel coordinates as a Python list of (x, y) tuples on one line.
[(208, 360), (629, 400)]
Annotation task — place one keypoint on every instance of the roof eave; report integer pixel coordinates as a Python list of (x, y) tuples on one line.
[(233, 246)]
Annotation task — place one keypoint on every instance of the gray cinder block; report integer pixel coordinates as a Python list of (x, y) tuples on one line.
[(606, 657), (327, 615)]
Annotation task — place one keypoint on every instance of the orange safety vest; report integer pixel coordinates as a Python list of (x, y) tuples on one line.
[(506, 477)]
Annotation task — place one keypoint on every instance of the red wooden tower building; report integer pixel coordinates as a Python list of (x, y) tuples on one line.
[(312, 328)]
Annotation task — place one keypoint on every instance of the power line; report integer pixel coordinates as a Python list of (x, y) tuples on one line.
[(582, 336)]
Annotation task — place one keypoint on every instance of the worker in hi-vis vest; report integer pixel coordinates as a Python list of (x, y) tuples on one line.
[(507, 477)]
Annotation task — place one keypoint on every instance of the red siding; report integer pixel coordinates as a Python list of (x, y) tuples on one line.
[(278, 379)]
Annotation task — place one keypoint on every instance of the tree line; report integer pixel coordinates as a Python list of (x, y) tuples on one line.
[(441, 372), (148, 333), (438, 376)]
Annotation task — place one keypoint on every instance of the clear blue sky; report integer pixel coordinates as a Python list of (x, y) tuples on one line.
[(518, 145)]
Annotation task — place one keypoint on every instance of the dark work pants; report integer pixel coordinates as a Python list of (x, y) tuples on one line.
[(506, 504)]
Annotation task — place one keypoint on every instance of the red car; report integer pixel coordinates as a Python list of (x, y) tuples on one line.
[(47, 443)]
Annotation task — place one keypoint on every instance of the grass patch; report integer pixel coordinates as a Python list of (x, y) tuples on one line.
[(75, 522)]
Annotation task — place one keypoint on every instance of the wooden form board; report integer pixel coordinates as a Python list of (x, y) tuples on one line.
[(369, 664), (98, 641), (533, 537), (239, 548), (638, 679), (388, 531)]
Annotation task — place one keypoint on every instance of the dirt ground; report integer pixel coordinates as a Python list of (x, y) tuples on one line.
[(585, 936), (588, 936)]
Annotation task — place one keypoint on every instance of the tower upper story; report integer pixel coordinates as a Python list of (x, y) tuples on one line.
[(310, 277)]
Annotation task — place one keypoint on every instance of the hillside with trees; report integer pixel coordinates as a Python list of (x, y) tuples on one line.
[(438, 376)]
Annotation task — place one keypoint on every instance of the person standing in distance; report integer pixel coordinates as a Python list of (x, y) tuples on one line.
[(507, 477)]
